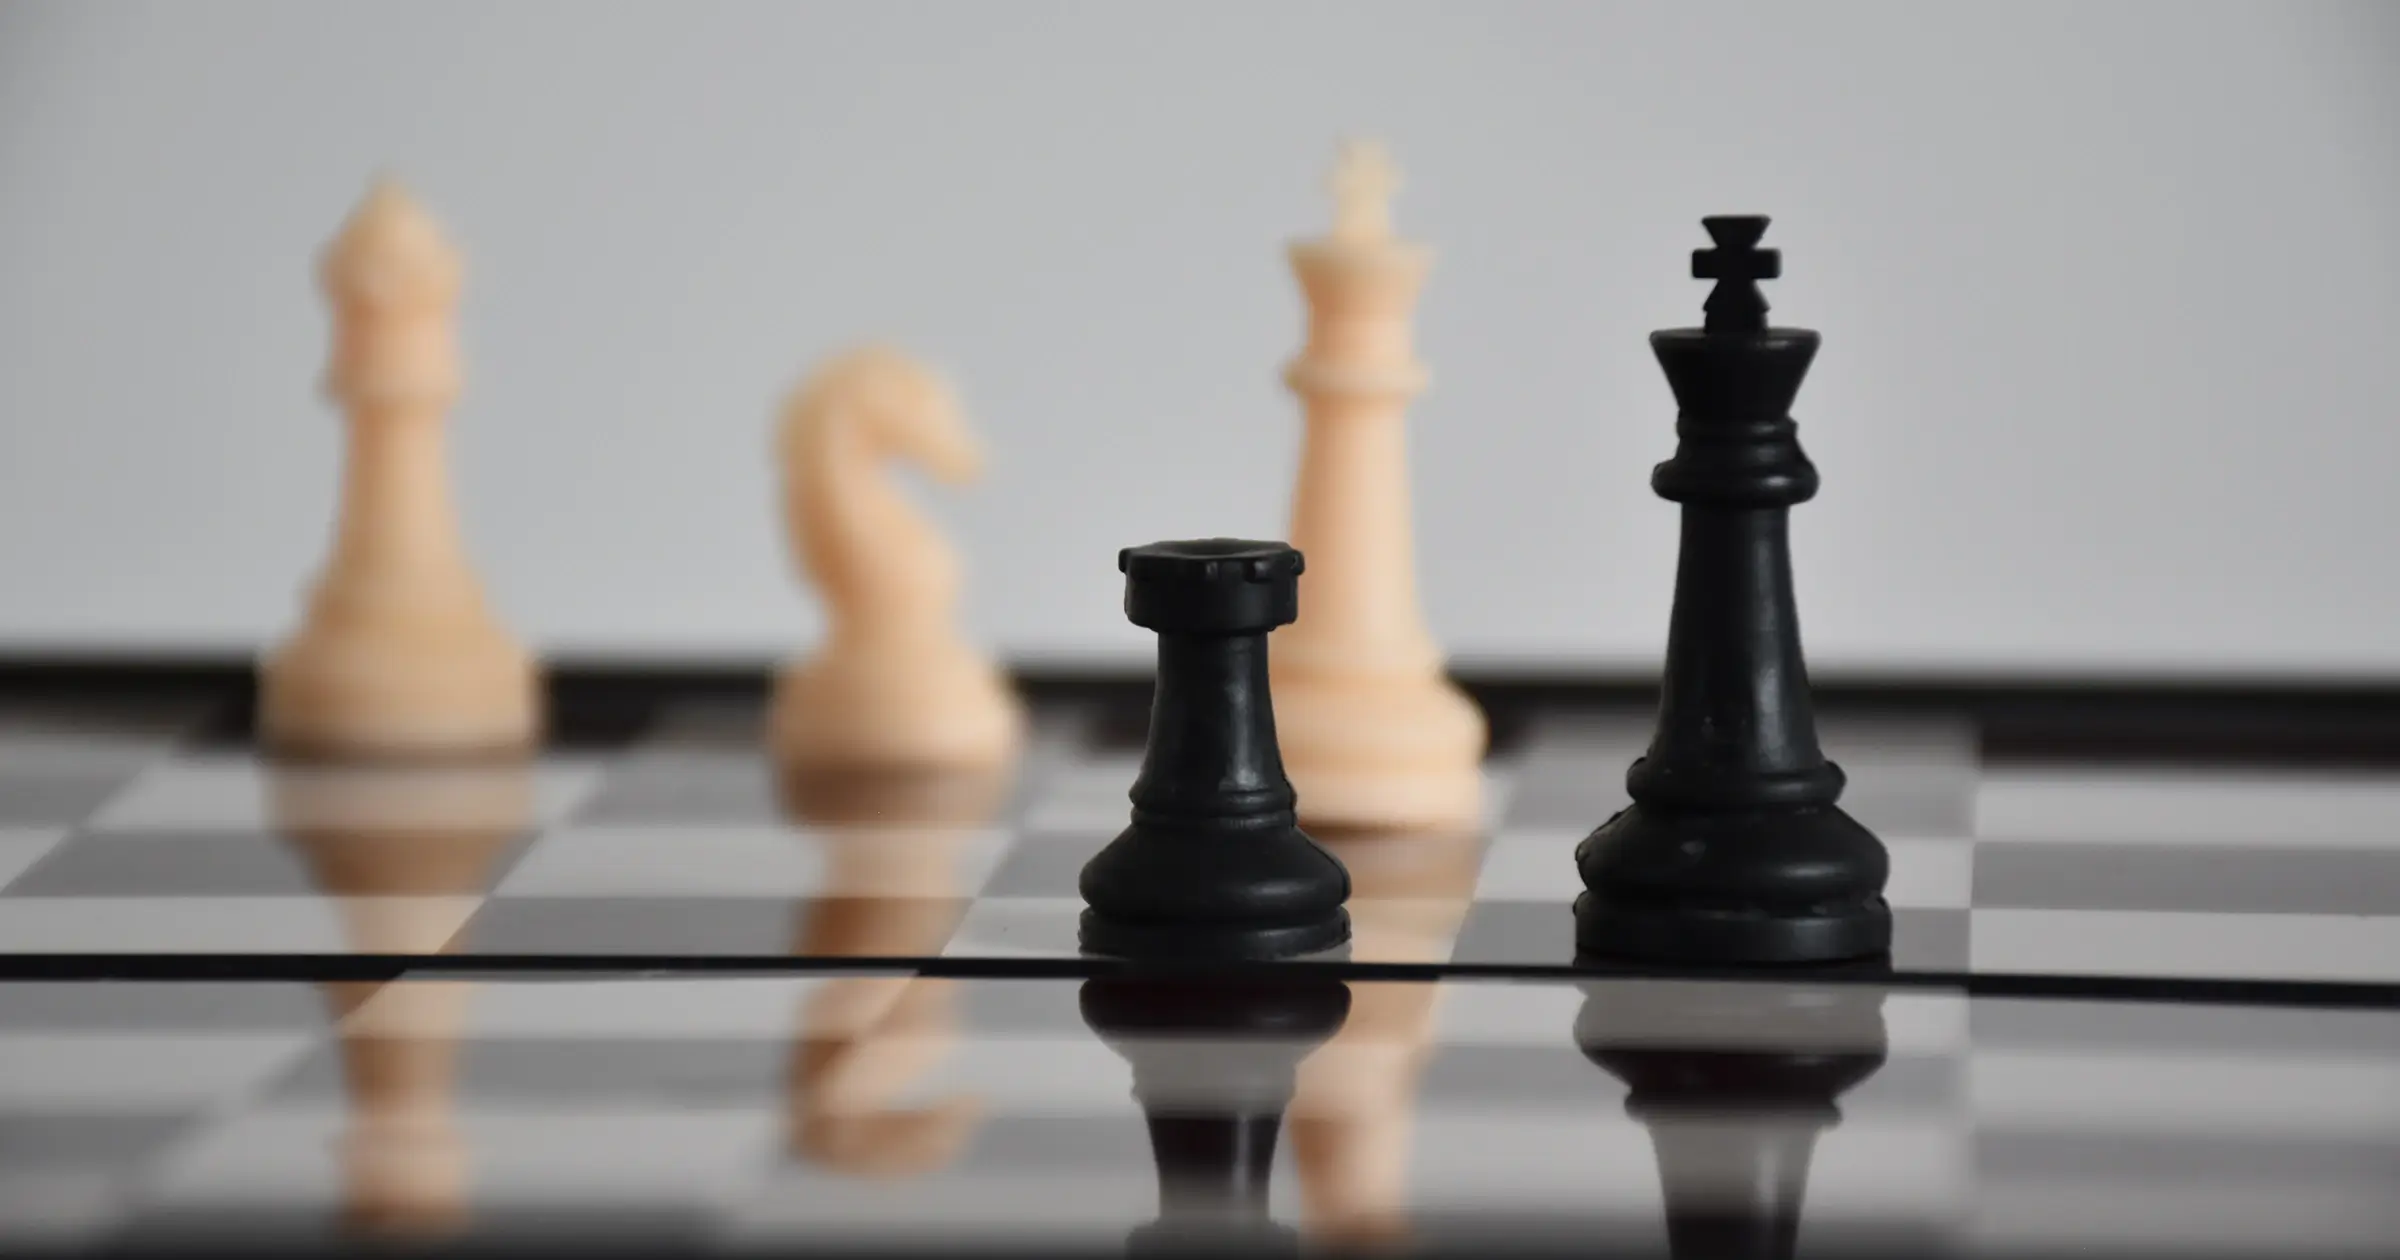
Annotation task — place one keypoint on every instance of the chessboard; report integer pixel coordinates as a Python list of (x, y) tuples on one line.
[(2133, 842), (640, 992), (879, 1113)]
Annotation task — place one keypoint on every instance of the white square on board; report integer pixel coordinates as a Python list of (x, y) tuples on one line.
[(238, 792), (230, 925), (21, 847)]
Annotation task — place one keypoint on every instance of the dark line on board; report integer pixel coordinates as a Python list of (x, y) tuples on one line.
[(325, 968), (2313, 722), (224, 670)]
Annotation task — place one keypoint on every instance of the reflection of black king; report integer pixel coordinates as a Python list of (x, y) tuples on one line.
[(1214, 1060), (1734, 1083), (1214, 863), (1734, 850)]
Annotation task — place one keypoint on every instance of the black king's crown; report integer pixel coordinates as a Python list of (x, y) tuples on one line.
[(1737, 264), (1734, 379)]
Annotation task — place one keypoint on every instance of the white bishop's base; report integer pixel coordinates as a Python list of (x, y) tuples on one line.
[(895, 709), (1379, 754), (401, 692)]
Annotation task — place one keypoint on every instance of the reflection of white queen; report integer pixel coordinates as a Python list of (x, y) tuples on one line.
[(1372, 734)]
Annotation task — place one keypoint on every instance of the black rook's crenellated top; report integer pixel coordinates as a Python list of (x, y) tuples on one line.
[(1211, 586)]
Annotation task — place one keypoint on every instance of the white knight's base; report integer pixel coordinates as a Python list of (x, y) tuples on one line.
[(953, 712)]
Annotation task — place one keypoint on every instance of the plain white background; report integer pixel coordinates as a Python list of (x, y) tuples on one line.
[(2110, 296)]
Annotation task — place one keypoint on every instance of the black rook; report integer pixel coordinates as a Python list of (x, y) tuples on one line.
[(1214, 863), (1734, 849)]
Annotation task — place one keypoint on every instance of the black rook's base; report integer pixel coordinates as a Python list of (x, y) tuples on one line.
[(1237, 942)]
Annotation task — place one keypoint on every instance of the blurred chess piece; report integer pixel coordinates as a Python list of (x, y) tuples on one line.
[(404, 1163), (895, 685), (1214, 1060), (1354, 1112), (891, 890), (1734, 1081), (1374, 733), (398, 654), (405, 855)]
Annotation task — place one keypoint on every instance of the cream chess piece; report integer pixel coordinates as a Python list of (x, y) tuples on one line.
[(398, 654), (895, 686), (1374, 735), (405, 1163), (405, 855), (871, 1047), (1353, 1115)]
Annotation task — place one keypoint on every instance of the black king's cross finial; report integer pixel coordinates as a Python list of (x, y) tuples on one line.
[(1737, 264)]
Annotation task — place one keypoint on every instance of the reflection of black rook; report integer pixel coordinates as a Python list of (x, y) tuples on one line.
[(1214, 863), (1733, 1128), (1213, 1063), (1734, 850)]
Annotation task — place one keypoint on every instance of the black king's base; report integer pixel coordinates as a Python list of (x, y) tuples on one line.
[(1734, 850), (1214, 865)]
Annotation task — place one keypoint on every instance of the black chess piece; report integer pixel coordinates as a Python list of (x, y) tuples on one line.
[(1214, 1060), (1734, 850), (1214, 864), (1735, 1083)]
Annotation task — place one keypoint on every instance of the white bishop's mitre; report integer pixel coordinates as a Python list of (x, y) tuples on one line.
[(390, 253)]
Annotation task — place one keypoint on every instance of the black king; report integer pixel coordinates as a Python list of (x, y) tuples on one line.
[(1734, 850)]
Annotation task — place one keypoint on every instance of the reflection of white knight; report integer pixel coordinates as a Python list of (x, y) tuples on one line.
[(894, 685), (868, 1043), (398, 653), (1373, 734)]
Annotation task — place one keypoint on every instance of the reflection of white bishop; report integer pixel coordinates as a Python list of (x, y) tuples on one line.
[(398, 653), (404, 854), (1373, 734)]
